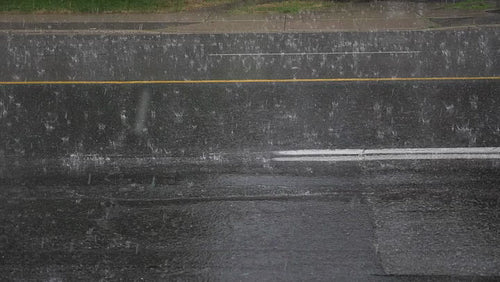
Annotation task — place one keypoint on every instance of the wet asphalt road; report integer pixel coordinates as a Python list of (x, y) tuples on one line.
[(96, 57), (76, 128), (174, 182), (435, 223)]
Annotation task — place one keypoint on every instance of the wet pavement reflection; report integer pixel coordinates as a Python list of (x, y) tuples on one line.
[(372, 226)]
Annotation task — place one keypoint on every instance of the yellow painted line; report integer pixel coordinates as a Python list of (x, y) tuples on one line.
[(371, 79)]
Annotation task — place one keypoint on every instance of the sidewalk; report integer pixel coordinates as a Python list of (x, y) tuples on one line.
[(385, 15)]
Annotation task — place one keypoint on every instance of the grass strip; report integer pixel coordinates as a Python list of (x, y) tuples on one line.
[(104, 6), (285, 7), (472, 5)]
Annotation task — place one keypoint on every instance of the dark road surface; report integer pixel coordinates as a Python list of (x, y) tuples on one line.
[(433, 53), (432, 224), (159, 179), (189, 120)]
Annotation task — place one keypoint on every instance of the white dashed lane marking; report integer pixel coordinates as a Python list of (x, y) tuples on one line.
[(343, 155)]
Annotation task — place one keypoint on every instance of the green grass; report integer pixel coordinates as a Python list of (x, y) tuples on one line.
[(287, 7), (472, 5), (106, 6), (103, 6)]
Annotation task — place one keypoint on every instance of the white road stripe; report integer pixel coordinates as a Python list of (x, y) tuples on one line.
[(320, 152), (456, 150), (387, 158), (314, 53), (387, 154)]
